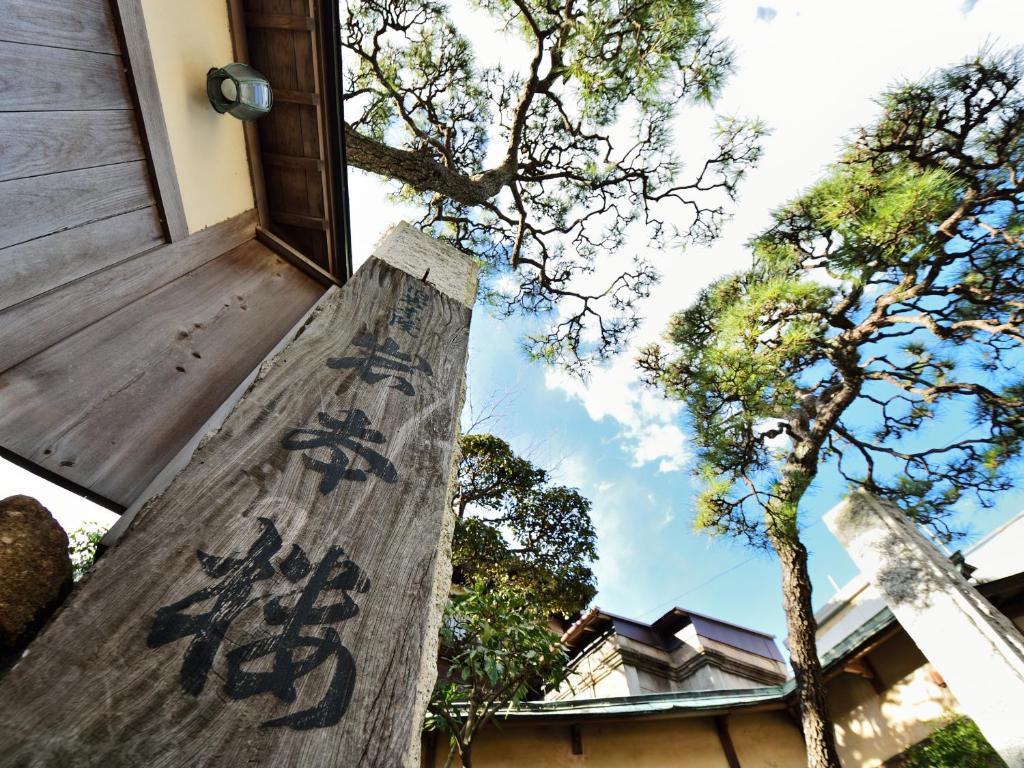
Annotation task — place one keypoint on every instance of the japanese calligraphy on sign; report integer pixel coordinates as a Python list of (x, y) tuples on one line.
[(383, 361), (284, 653), (406, 314), (349, 433)]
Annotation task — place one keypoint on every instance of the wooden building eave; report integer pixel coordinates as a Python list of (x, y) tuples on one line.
[(296, 153)]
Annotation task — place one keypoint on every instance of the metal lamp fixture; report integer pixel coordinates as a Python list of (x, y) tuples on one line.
[(239, 90)]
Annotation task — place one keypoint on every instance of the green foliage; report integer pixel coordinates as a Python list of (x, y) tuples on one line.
[(496, 648), (541, 166), (518, 532), (82, 548), (880, 302), (960, 744)]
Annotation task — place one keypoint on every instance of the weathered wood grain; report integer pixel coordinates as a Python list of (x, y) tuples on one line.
[(35, 78), (307, 98), (35, 207), (37, 143), (298, 220), (125, 394), (291, 255), (142, 75), (291, 161), (405, 247), (85, 25), (37, 266), (279, 21), (36, 324), (122, 701)]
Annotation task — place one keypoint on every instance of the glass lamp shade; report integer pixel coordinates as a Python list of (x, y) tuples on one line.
[(239, 90)]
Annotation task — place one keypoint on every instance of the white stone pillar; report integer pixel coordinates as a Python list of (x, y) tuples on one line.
[(975, 648)]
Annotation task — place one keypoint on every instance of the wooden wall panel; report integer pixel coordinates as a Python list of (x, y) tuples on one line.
[(75, 189), (35, 324), (126, 393), (45, 263), (38, 143), (37, 206), (36, 79), (85, 25)]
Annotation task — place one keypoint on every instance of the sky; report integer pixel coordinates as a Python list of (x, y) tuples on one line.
[(809, 69)]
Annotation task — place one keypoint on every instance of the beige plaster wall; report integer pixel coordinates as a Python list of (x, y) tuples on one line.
[(762, 740), (187, 37), (871, 727), (767, 739)]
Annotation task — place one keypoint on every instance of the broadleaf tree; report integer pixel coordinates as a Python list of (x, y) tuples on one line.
[(877, 331), (496, 649), (517, 530), (544, 165)]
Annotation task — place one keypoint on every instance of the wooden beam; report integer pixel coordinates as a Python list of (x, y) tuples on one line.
[(313, 164), (861, 666), (149, 107), (109, 407), (279, 21), (289, 254), (32, 326), (576, 738), (308, 98), (322, 144), (279, 604), (298, 220), (725, 739)]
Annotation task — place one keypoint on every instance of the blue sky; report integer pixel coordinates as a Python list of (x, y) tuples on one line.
[(650, 556), (809, 69)]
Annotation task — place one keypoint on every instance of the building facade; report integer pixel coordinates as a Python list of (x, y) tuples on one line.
[(695, 691)]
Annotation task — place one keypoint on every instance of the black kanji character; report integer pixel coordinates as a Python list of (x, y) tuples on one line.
[(341, 434), (405, 316), (333, 573), (238, 575), (383, 361)]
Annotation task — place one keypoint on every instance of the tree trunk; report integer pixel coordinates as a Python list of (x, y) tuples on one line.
[(819, 735), (422, 172)]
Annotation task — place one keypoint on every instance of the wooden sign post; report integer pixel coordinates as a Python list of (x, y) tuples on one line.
[(278, 605)]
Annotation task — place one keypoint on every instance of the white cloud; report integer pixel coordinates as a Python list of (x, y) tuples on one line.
[(661, 441), (647, 421)]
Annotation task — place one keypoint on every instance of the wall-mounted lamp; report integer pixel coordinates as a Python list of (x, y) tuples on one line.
[(239, 90)]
